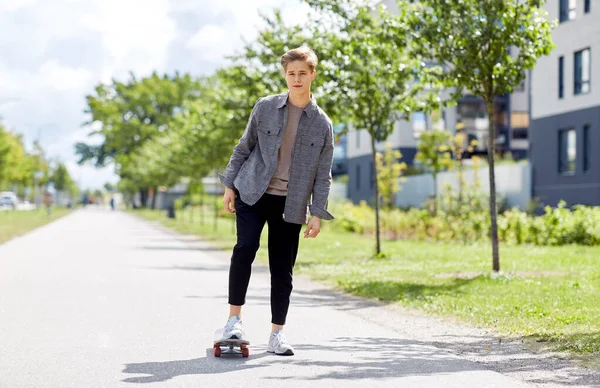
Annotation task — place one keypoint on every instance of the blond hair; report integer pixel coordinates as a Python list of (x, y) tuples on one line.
[(300, 54)]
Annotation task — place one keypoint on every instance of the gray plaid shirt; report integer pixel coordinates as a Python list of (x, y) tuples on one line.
[(254, 158)]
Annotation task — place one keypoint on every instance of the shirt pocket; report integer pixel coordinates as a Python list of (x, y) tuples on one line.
[(268, 130), (311, 147), (267, 137), (313, 143)]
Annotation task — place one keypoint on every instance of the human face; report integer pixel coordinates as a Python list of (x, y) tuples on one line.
[(299, 77)]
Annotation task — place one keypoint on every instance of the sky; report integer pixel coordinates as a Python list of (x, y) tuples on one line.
[(54, 52)]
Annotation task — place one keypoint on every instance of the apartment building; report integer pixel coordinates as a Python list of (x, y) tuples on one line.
[(470, 114), (565, 110)]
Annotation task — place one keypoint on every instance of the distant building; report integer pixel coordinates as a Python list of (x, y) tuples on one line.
[(565, 111), (512, 128), (339, 156)]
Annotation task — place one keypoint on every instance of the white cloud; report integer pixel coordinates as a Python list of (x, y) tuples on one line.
[(13, 5), (63, 78), (245, 21), (212, 42)]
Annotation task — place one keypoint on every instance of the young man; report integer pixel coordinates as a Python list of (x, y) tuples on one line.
[(283, 158)]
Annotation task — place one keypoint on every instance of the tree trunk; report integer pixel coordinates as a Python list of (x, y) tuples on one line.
[(492, 173), (216, 206), (143, 197), (434, 194), (202, 207), (154, 195), (375, 178), (461, 177)]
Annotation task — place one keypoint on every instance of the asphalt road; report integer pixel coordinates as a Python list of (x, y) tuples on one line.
[(104, 299)]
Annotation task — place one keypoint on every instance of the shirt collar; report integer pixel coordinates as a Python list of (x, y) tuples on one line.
[(310, 109)]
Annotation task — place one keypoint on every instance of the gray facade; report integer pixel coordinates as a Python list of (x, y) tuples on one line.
[(565, 99), (550, 185), (360, 174)]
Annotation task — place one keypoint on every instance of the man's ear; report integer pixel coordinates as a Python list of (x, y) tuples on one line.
[(314, 75)]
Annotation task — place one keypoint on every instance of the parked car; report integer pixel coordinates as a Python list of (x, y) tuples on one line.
[(8, 199)]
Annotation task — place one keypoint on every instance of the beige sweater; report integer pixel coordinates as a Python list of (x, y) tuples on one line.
[(279, 182)]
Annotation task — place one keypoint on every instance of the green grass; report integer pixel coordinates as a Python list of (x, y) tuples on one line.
[(17, 223), (547, 295)]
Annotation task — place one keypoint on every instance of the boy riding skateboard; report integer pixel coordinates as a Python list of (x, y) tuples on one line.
[(282, 160)]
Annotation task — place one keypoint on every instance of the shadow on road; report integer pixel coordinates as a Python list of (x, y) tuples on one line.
[(168, 248), (319, 297), (341, 358), (166, 370)]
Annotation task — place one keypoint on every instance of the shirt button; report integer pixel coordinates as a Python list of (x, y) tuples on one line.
[(269, 132), (312, 144)]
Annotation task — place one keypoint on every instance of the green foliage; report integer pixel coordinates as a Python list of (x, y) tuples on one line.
[(434, 152), (470, 223), (389, 171), (376, 76), (61, 178), (485, 48), (18, 166), (134, 120)]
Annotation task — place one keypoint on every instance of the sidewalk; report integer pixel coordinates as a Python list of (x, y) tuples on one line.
[(103, 299)]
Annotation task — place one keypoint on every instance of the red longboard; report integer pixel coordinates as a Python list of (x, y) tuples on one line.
[(231, 346)]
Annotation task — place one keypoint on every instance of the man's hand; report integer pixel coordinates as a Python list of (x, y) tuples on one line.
[(313, 228), (229, 200)]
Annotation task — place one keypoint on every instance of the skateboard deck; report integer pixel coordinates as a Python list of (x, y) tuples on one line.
[(230, 346)]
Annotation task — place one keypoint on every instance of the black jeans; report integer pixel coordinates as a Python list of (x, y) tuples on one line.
[(284, 238)]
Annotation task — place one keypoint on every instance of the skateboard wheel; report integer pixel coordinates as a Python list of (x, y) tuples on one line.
[(245, 352), (217, 351)]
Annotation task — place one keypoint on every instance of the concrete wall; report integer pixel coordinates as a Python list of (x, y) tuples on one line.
[(512, 182)]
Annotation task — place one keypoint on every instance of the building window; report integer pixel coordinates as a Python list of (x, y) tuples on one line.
[(567, 151), (358, 177), (586, 6), (587, 148), (419, 123), (582, 72), (357, 138), (561, 77), (568, 10)]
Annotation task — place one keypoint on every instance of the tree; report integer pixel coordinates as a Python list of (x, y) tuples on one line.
[(389, 171), (376, 75), (208, 128), (61, 179), (484, 47), (258, 72), (128, 115), (14, 168), (433, 152), (109, 187)]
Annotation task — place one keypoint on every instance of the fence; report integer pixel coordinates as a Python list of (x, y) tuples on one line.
[(513, 182)]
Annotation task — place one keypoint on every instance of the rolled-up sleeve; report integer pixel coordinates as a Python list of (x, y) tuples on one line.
[(242, 150), (322, 184)]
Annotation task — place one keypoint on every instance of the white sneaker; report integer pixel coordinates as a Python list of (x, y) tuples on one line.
[(233, 329), (278, 344)]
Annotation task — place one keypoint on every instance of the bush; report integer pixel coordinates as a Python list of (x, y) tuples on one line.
[(470, 222)]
